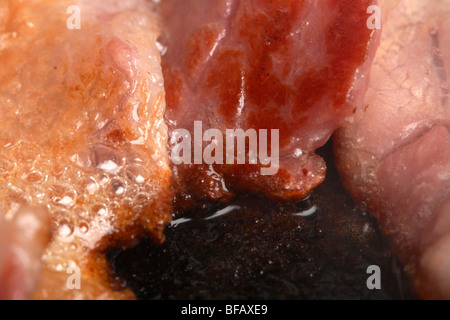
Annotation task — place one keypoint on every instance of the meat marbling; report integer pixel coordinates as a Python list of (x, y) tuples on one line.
[(298, 66), (83, 141), (83, 136)]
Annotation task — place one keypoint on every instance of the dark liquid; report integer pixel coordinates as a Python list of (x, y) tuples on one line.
[(319, 248)]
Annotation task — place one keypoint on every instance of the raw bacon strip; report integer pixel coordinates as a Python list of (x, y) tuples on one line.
[(298, 66), (395, 158), (82, 133)]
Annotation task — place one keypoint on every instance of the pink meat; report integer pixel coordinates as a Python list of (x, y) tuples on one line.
[(299, 66), (395, 157), (24, 235)]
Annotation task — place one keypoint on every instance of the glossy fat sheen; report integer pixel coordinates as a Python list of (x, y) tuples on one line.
[(395, 158), (297, 66), (82, 131)]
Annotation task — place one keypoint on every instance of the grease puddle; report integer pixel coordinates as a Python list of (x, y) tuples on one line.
[(254, 248)]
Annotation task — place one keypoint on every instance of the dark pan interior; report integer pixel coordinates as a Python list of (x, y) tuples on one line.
[(263, 249)]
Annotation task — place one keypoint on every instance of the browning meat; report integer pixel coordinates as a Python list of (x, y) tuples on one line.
[(82, 134)]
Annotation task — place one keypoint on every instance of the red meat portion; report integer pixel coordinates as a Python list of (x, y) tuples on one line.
[(297, 66)]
